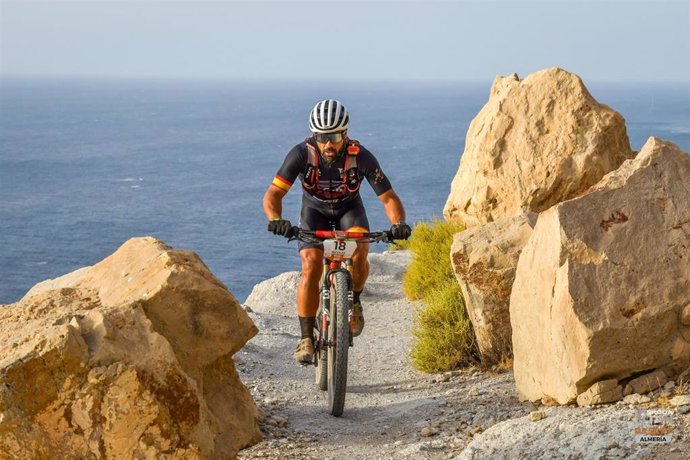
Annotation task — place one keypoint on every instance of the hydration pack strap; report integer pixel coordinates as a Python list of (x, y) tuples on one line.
[(311, 180), (350, 177)]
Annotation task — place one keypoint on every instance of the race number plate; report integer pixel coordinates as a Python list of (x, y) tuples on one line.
[(339, 249)]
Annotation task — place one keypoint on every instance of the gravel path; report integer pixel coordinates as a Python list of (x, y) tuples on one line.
[(395, 412)]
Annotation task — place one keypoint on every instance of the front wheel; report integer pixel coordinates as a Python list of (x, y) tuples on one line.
[(339, 334)]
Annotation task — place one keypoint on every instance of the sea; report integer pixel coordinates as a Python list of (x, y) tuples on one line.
[(87, 164)]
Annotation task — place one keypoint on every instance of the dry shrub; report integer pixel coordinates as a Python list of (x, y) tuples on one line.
[(443, 335)]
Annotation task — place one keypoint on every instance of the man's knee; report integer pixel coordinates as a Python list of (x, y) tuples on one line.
[(312, 260), (361, 253)]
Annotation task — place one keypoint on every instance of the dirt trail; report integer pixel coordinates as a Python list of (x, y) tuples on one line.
[(393, 411)]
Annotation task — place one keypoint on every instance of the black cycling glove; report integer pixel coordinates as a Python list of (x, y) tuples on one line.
[(401, 231), (280, 227)]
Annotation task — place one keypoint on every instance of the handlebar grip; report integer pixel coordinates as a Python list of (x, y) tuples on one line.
[(295, 231), (389, 235)]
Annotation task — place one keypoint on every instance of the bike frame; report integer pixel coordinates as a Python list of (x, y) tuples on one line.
[(331, 266)]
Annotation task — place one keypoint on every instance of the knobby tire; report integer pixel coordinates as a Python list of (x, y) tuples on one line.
[(338, 330)]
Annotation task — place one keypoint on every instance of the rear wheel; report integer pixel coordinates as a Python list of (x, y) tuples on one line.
[(339, 333)]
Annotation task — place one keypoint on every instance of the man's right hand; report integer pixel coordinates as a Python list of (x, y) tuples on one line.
[(280, 227)]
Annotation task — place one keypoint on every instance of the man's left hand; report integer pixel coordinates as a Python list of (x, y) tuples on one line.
[(401, 231)]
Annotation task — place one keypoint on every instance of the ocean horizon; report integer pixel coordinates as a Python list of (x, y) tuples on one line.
[(86, 164)]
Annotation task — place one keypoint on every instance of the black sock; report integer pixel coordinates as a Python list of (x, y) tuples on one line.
[(306, 324), (355, 296)]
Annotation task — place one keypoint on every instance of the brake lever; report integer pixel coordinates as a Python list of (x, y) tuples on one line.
[(295, 230)]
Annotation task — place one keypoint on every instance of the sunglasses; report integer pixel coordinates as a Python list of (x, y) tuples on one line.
[(324, 138)]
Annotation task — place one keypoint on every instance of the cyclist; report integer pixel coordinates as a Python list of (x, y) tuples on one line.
[(331, 167)]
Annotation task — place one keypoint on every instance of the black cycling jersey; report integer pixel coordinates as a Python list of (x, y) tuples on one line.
[(331, 192)]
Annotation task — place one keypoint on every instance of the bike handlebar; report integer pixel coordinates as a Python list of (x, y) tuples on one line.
[(309, 236)]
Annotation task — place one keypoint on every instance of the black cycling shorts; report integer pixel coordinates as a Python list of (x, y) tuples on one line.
[(351, 217)]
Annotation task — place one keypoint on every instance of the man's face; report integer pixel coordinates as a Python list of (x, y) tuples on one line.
[(330, 145)]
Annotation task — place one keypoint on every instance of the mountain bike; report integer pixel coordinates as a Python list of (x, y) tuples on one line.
[(334, 321)]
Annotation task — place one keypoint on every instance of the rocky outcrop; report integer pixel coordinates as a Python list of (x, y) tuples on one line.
[(535, 143), (130, 358), (603, 284), (484, 260), (276, 295)]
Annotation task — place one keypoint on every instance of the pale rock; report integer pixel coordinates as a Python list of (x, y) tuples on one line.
[(648, 382), (535, 416), (636, 399), (130, 358), (484, 260), (548, 401), (605, 391), (276, 295), (680, 400), (592, 298), (535, 143), (429, 431)]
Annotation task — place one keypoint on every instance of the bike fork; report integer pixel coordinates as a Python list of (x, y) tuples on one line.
[(325, 312), (325, 318)]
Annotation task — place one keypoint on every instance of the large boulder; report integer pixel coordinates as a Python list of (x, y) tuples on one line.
[(484, 260), (535, 143), (603, 285), (130, 358)]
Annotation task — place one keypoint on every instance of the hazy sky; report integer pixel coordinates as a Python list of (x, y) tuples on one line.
[(621, 40)]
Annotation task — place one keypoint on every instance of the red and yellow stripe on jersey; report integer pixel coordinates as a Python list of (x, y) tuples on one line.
[(281, 183)]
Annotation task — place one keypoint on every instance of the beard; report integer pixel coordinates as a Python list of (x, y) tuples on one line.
[(330, 159)]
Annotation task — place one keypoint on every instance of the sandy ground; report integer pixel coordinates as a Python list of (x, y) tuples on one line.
[(395, 412)]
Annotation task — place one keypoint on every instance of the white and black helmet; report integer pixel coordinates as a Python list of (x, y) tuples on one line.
[(328, 116)]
